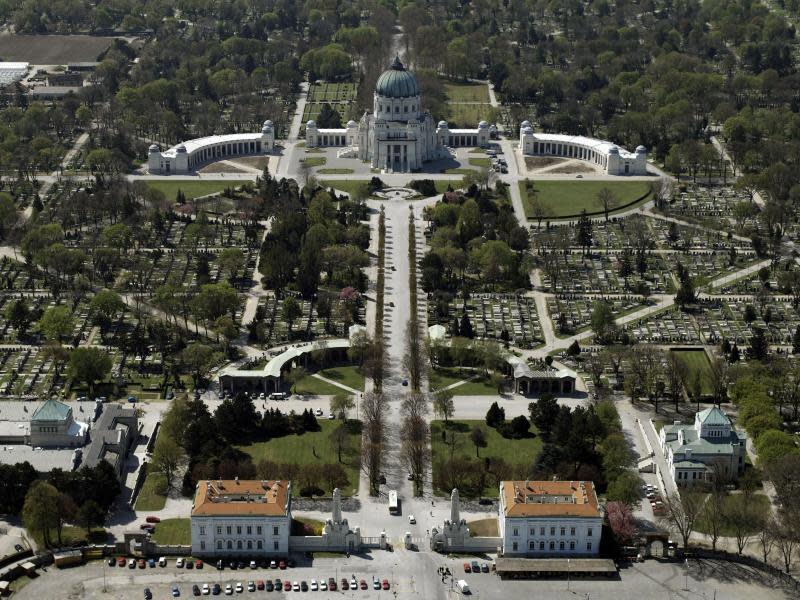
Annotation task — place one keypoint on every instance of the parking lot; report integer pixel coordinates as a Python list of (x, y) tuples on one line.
[(410, 575)]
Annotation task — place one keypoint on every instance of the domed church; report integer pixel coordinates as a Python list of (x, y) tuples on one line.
[(397, 136)]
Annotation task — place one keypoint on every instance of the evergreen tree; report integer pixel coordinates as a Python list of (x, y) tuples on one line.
[(796, 341), (574, 349), (625, 266), (584, 232), (466, 326), (759, 347), (455, 329), (734, 356), (495, 415)]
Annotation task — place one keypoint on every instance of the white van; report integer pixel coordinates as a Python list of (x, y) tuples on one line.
[(462, 586), (277, 396)]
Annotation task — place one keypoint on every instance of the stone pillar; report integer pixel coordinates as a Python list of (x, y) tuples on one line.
[(454, 507), (337, 506)]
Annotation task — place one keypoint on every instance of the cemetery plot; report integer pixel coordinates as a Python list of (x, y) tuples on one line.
[(339, 95), (577, 311), (705, 266), (600, 274), (713, 206), (737, 318), (681, 237), (490, 315), (669, 327)]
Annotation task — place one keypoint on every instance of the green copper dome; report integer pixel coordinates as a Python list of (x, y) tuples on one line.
[(397, 82)]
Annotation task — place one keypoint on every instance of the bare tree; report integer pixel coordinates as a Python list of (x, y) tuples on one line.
[(663, 189), (786, 540), (682, 512), (713, 516), (742, 518), (373, 409), (767, 536), (443, 405), (675, 373), (719, 379), (414, 436), (608, 200)]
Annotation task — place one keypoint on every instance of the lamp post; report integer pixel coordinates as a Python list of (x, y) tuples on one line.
[(568, 575)]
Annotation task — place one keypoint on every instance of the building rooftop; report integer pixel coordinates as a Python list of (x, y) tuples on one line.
[(52, 410), (42, 459), (197, 143), (397, 82), (244, 497), (713, 416), (549, 499), (602, 146)]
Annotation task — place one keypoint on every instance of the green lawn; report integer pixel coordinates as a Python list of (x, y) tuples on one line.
[(469, 115), (566, 198), (151, 496), (314, 161), (348, 186), (440, 378), (349, 376), (70, 535), (480, 162), (335, 171), (190, 188), (301, 450), (315, 387), (696, 361), (519, 454), (759, 502), (173, 531), (458, 171), (467, 92)]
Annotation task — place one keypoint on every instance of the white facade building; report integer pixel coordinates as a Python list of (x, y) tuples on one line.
[(187, 156), (12, 71), (609, 157), (550, 518), (241, 518), (397, 136), (708, 448)]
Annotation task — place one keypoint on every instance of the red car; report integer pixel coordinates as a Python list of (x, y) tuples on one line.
[(282, 564), (260, 584), (152, 519), (121, 561), (142, 564), (332, 584), (385, 584), (287, 586), (467, 568), (198, 564), (363, 584)]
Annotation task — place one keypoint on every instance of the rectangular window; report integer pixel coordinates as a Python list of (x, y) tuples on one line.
[(514, 546), (563, 531), (516, 531), (229, 530), (258, 530), (275, 530), (532, 532), (202, 545), (249, 530), (238, 530), (589, 533), (202, 529), (552, 531), (541, 531), (275, 545), (541, 545), (219, 530), (572, 545), (531, 545), (588, 545), (572, 531)]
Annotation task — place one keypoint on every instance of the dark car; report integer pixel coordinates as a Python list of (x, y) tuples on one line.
[(476, 568), (152, 519), (220, 565), (268, 585), (19, 548), (148, 595), (196, 590), (304, 586), (332, 584), (485, 567), (241, 565), (189, 564), (278, 584), (290, 563), (216, 589), (111, 561), (345, 585), (233, 565)]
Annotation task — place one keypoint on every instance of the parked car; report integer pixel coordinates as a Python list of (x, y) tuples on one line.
[(484, 567), (162, 562), (196, 590), (344, 584), (323, 585), (189, 564), (149, 527), (476, 568), (206, 590), (332, 584), (152, 519), (251, 586), (19, 548), (314, 585), (216, 589), (296, 586), (385, 584), (148, 595), (180, 562), (269, 586), (198, 564), (318, 412), (131, 563), (273, 564), (287, 586), (229, 590), (376, 584), (239, 587), (112, 561), (363, 584), (176, 591), (467, 568), (353, 583), (282, 564), (260, 584), (253, 564), (411, 519), (151, 562), (121, 561)]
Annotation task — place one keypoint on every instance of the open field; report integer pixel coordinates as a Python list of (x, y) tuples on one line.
[(190, 188), (335, 171), (518, 454), (348, 186), (566, 198), (697, 362), (480, 386), (173, 531), (467, 92), (468, 115), (150, 496), (310, 448), (315, 387), (483, 528), (314, 161), (52, 49), (759, 502)]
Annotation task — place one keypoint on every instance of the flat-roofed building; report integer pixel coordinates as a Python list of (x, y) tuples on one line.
[(233, 517), (53, 426), (550, 518)]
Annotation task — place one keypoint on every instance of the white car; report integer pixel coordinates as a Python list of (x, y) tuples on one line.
[(162, 562), (251, 586), (411, 519), (331, 416), (353, 584), (179, 563), (206, 590), (229, 590), (318, 412), (296, 586), (323, 585), (253, 564), (239, 588), (314, 586)]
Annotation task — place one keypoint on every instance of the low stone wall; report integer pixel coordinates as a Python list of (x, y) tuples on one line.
[(478, 544), (310, 543), (324, 505)]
